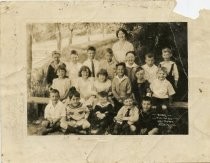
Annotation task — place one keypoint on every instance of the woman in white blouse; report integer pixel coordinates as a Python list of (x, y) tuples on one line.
[(122, 46)]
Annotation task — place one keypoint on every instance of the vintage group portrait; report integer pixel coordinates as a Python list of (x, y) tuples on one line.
[(107, 78)]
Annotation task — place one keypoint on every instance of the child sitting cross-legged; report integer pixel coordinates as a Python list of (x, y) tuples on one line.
[(127, 116), (147, 124), (102, 115), (77, 114), (54, 112)]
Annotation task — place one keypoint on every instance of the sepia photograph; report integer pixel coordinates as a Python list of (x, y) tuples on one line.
[(107, 78)]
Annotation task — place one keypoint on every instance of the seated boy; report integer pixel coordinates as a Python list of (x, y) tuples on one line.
[(127, 116), (52, 68), (102, 115), (54, 111), (77, 114), (147, 124)]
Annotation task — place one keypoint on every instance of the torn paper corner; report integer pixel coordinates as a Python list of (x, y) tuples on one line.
[(191, 8)]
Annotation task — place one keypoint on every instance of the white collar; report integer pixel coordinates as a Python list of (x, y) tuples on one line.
[(121, 79), (131, 66), (106, 104)]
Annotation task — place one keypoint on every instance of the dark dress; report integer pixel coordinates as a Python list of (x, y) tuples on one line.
[(140, 90), (102, 124)]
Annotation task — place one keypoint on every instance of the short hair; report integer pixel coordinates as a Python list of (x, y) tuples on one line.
[(103, 94), (146, 98), (167, 48), (73, 93), (122, 30), (164, 69), (121, 64), (109, 50), (149, 55), (74, 52), (139, 69), (102, 72), (92, 48), (124, 66), (84, 68), (128, 97), (62, 67), (56, 52), (54, 91), (132, 52)]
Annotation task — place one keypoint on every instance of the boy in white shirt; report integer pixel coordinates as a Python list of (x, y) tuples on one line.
[(54, 111), (172, 71), (91, 63), (150, 68), (73, 67), (161, 88)]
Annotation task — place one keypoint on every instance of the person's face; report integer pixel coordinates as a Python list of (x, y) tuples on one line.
[(75, 101), (108, 57), (146, 106), (102, 100), (101, 78), (121, 35), (128, 102), (130, 58), (166, 54), (91, 54), (120, 71), (161, 75), (54, 97), (56, 58), (140, 74), (149, 61), (61, 73), (85, 74), (74, 58)]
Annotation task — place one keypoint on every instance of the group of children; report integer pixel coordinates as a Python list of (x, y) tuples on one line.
[(107, 97)]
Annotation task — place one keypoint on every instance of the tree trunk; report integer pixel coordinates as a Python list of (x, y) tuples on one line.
[(70, 27), (29, 56), (88, 32), (58, 36)]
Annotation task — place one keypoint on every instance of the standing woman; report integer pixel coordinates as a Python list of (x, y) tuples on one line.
[(122, 46)]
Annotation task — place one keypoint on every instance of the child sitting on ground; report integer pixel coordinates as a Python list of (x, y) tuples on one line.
[(109, 63), (52, 68), (127, 116), (131, 66), (162, 90), (121, 86), (73, 66), (150, 68), (140, 86), (54, 111), (77, 114), (102, 115), (171, 67), (147, 124), (62, 83)]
